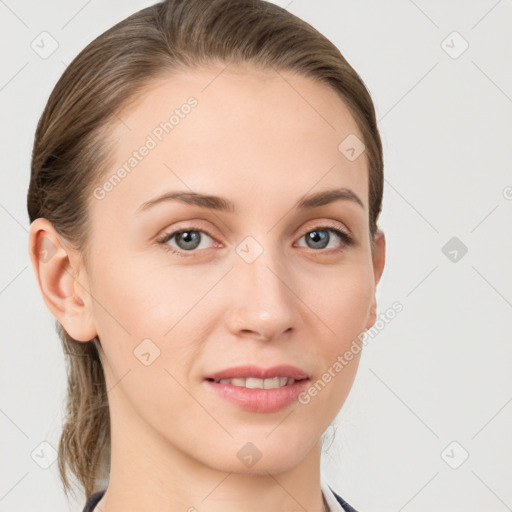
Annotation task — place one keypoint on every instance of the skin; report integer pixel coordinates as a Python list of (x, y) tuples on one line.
[(254, 140)]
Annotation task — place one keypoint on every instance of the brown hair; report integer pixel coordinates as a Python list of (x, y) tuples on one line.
[(71, 149)]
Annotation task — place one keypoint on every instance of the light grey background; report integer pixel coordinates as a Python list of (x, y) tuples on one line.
[(441, 370)]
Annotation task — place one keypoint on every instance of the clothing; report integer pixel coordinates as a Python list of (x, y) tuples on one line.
[(93, 500), (334, 502)]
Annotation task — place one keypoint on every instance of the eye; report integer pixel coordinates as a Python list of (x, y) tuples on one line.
[(186, 240), (319, 238), (189, 239)]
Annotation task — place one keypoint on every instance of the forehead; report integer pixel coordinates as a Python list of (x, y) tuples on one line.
[(209, 128), (234, 94)]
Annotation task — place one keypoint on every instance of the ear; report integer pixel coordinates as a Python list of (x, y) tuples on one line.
[(379, 258), (58, 273)]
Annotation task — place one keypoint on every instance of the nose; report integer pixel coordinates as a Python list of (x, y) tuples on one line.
[(262, 302)]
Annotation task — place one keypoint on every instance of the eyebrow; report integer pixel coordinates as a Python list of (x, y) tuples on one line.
[(222, 204)]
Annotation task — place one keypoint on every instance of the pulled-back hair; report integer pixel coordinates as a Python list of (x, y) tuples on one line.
[(71, 150)]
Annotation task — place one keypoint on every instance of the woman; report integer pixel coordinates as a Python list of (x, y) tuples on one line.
[(206, 183)]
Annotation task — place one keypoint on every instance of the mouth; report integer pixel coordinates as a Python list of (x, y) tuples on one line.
[(257, 389), (253, 374), (255, 383)]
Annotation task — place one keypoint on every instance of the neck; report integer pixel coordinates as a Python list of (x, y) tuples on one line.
[(148, 473)]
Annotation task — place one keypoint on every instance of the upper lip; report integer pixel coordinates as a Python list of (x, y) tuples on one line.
[(282, 370)]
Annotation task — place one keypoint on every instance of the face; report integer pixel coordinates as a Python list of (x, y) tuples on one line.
[(182, 290)]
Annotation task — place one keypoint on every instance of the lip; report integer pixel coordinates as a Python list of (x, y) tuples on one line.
[(245, 371), (259, 400)]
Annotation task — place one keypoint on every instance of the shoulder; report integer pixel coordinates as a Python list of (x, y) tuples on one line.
[(343, 503), (93, 500)]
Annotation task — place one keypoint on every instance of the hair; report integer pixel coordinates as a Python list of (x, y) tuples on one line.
[(72, 151)]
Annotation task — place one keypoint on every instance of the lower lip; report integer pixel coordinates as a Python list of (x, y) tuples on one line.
[(260, 400)]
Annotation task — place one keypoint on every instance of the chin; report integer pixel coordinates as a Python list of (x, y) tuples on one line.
[(260, 455)]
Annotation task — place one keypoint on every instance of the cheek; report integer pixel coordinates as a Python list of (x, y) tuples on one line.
[(138, 298), (129, 303), (343, 301), (342, 305), (166, 305), (142, 315)]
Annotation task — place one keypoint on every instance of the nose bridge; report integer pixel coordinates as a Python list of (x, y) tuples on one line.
[(262, 301)]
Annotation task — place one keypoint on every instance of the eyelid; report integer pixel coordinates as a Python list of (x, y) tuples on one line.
[(328, 224)]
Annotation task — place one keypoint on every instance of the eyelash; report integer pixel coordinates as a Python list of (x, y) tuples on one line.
[(346, 239)]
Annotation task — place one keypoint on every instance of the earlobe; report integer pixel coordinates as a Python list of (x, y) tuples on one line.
[(55, 267), (372, 314)]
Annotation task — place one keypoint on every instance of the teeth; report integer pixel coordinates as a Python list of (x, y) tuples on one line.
[(254, 383)]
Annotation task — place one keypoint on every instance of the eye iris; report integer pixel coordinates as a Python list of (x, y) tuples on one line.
[(318, 237), (191, 239)]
